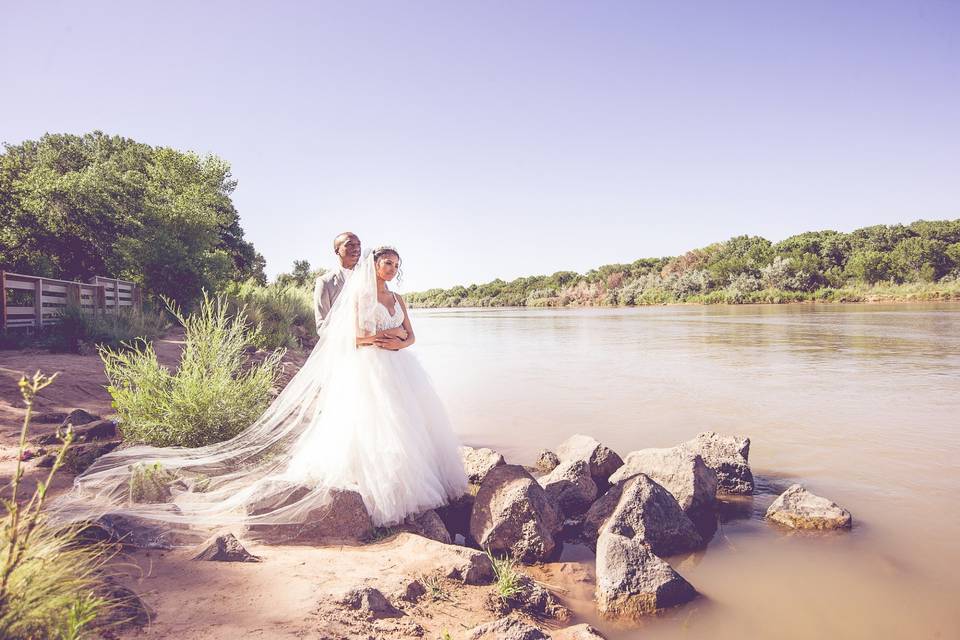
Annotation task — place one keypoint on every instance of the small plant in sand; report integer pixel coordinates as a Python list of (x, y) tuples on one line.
[(48, 583), (214, 393), (508, 579), (150, 482), (436, 588)]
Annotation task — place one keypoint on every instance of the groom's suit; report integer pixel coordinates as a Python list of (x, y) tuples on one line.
[(325, 292)]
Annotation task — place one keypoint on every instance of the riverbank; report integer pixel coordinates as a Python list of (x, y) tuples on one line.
[(603, 298)]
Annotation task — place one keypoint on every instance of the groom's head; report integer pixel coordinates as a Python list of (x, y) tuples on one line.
[(347, 247)]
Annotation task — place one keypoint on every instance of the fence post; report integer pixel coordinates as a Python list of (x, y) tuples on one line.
[(116, 295), (3, 298), (38, 303)]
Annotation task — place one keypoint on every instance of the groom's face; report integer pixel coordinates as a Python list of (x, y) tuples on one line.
[(348, 249)]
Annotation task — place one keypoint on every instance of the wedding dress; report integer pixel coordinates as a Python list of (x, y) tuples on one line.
[(364, 419)]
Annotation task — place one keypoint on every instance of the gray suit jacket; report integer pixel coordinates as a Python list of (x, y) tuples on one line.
[(325, 292)]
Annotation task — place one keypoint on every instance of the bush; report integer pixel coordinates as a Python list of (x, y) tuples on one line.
[(213, 395), (50, 586), (283, 313), (78, 329)]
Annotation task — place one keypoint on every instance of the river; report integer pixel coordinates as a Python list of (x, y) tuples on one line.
[(860, 403)]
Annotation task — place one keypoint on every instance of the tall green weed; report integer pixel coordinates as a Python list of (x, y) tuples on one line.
[(212, 396), (283, 313)]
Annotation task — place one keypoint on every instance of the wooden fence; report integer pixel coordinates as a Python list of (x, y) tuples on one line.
[(50, 297)]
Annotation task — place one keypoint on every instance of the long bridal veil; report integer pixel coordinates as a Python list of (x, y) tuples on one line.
[(248, 480)]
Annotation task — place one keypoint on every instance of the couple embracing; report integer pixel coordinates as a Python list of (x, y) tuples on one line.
[(361, 415)]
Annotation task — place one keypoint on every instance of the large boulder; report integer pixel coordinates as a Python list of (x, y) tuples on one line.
[(479, 462), (728, 457), (603, 461), (646, 511), (508, 628), (571, 486), (682, 473), (512, 514), (797, 508), (341, 518), (632, 581)]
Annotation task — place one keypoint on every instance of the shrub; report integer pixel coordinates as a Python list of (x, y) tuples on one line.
[(50, 586), (283, 313), (77, 328), (213, 395)]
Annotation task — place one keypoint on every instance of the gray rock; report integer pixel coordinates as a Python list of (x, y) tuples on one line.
[(728, 456), (577, 632), (508, 628), (571, 486), (79, 417), (413, 590), (547, 461), (427, 524), (632, 581), (681, 472), (603, 460), (513, 515), (226, 548), (370, 602), (342, 518), (648, 512), (797, 508), (478, 462)]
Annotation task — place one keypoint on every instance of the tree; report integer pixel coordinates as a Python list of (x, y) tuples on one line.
[(73, 207)]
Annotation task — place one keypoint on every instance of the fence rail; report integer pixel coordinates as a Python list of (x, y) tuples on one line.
[(50, 297)]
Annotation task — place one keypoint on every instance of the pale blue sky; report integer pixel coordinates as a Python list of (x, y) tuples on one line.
[(500, 139)]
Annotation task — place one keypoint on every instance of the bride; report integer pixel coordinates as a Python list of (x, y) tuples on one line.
[(361, 415)]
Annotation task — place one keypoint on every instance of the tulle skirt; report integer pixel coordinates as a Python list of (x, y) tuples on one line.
[(381, 431)]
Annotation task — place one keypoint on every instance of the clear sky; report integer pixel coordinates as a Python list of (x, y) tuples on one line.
[(500, 139)]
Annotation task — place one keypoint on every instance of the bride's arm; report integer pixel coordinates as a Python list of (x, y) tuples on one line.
[(396, 345)]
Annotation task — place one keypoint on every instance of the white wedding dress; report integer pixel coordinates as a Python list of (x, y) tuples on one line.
[(383, 433), (358, 418)]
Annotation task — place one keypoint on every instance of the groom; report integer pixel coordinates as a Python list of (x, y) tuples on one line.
[(330, 284)]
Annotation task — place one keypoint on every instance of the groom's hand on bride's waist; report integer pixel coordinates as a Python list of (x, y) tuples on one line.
[(399, 333)]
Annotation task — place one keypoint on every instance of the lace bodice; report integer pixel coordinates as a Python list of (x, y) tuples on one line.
[(387, 321)]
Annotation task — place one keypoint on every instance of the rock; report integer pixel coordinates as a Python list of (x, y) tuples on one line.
[(513, 515), (226, 548), (127, 608), (427, 524), (126, 530), (649, 512), (456, 515), (78, 417), (681, 472), (728, 457), (632, 581), (577, 632), (603, 461), (571, 486), (478, 462), (79, 457), (342, 518), (370, 602), (547, 461), (99, 430), (797, 508), (508, 628), (469, 566), (413, 591), (46, 461)]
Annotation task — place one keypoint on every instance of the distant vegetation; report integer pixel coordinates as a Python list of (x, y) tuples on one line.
[(920, 261)]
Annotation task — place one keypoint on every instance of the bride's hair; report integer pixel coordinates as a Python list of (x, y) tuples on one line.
[(387, 250)]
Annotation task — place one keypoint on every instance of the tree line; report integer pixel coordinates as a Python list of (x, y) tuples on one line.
[(812, 265)]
